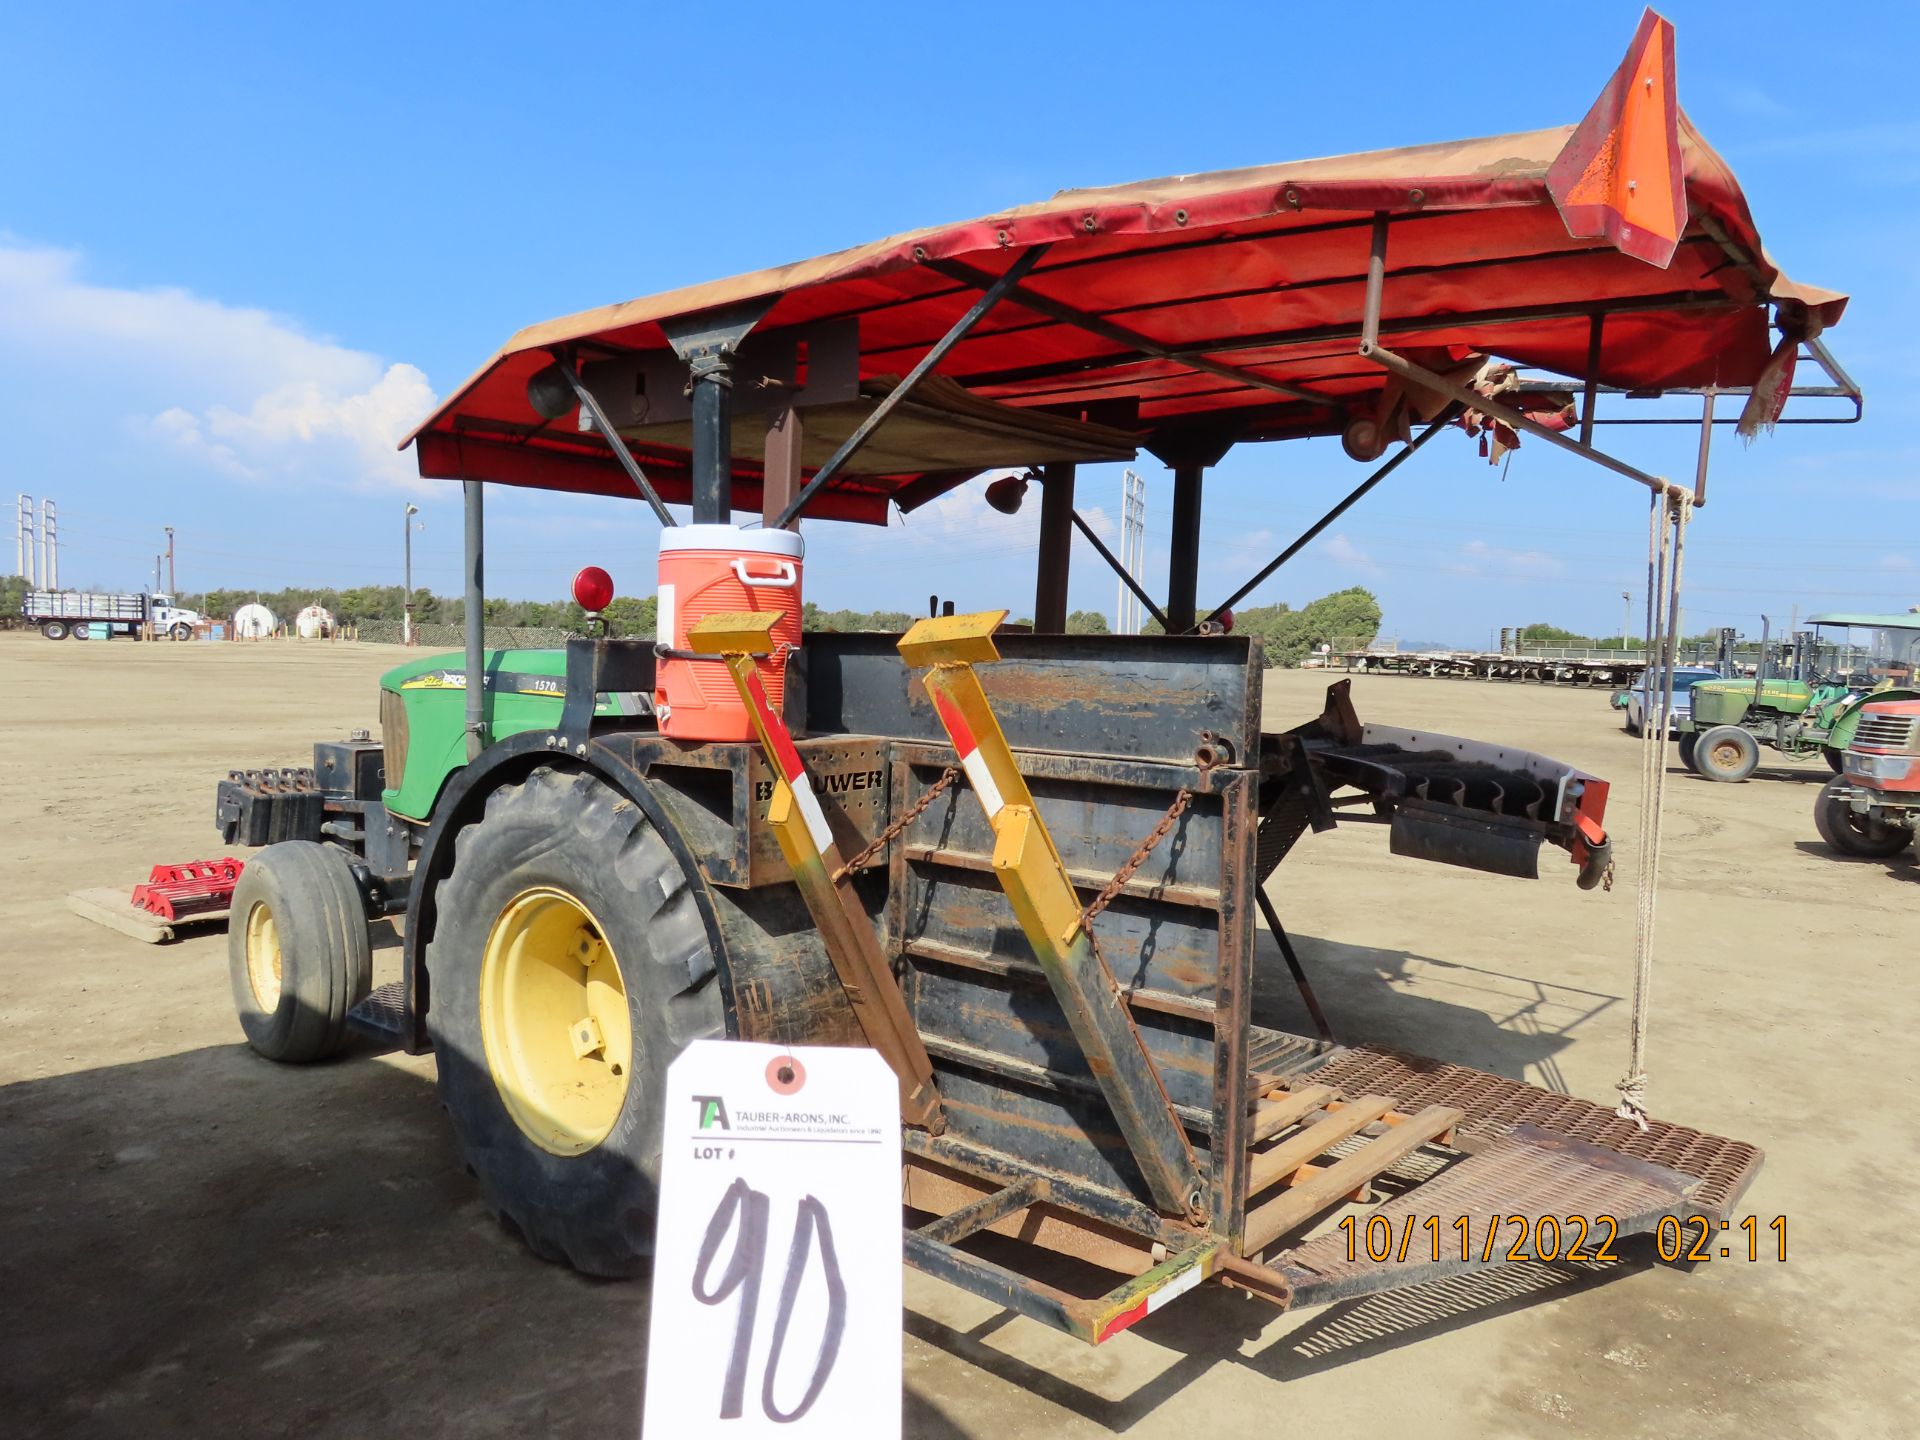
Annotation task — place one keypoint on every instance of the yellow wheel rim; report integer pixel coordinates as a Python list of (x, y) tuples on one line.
[(553, 1021), (263, 957)]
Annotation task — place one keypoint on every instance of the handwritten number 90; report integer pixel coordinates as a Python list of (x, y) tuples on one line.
[(742, 1273)]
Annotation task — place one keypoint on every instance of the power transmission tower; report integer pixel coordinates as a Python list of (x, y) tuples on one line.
[(23, 541), (1133, 549), (49, 546)]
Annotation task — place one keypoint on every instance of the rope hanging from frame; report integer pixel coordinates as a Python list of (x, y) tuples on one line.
[(1666, 552)]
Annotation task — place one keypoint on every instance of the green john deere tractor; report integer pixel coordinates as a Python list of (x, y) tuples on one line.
[(1812, 709)]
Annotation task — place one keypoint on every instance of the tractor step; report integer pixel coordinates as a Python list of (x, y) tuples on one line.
[(1487, 1209), (382, 1016)]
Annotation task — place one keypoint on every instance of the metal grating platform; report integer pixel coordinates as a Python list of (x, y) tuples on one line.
[(1278, 1054), (1494, 1106), (382, 1015), (1531, 1172)]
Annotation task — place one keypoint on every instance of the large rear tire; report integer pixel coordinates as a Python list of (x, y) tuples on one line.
[(1727, 753), (569, 965), (1852, 834), (1836, 759), (298, 953)]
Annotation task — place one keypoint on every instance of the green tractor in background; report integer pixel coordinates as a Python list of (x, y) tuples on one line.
[(1810, 710)]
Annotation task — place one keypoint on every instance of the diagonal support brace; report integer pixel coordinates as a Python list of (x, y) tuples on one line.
[(1036, 881), (814, 857)]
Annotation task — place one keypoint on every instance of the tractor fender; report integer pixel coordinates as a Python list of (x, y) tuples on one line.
[(463, 800), (1840, 733)]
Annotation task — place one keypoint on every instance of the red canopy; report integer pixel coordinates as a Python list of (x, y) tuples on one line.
[(1260, 270)]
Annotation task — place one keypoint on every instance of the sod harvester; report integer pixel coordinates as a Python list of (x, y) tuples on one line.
[(1024, 867)]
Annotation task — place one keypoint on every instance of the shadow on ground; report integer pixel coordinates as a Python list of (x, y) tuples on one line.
[(1511, 1025), (209, 1244)]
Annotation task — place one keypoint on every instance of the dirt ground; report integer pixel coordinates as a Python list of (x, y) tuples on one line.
[(198, 1242)]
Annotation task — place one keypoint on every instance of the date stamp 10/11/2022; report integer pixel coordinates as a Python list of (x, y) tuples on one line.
[(1548, 1237)]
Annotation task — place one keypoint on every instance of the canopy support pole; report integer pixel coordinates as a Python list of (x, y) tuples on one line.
[(476, 616), (613, 437), (785, 432), (1445, 418), (1183, 555), (1121, 570), (1590, 392), (1706, 445), (1056, 548), (995, 293), (706, 344)]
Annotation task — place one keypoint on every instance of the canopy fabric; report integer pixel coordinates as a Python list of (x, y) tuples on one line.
[(1262, 270)]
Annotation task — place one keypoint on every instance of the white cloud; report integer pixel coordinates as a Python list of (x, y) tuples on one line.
[(1345, 553), (1477, 557), (240, 390)]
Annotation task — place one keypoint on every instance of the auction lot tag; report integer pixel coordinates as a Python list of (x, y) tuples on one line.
[(776, 1276)]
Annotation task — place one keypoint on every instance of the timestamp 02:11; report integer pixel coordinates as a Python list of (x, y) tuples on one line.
[(1697, 1237)]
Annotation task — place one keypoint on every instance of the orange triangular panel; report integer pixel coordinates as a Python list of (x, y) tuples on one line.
[(1619, 176)]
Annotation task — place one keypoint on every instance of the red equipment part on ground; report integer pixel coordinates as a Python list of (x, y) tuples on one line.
[(176, 891)]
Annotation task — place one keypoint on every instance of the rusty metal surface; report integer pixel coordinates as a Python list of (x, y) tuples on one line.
[(1495, 1106), (1529, 1172), (1133, 697)]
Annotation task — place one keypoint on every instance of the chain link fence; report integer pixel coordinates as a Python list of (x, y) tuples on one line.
[(453, 637)]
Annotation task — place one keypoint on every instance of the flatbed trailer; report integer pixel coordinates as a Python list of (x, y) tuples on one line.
[(1041, 860)]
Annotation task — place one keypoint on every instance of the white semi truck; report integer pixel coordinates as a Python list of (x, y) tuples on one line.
[(85, 615)]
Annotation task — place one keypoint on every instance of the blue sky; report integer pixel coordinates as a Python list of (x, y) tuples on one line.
[(242, 247)]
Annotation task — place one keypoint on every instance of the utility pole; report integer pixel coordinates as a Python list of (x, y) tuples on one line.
[(23, 540), (406, 622), (170, 580), (1133, 548), (49, 546), (1626, 615)]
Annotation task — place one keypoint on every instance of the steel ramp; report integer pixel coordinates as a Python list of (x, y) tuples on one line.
[(1464, 1218), (1494, 1106)]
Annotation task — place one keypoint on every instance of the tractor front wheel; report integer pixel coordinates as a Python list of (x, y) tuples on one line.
[(1689, 739), (569, 965), (1726, 752), (298, 953), (1851, 833)]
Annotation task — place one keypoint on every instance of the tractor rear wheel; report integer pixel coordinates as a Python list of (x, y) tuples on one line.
[(569, 965), (1854, 834), (298, 952), (1726, 752), (1836, 759)]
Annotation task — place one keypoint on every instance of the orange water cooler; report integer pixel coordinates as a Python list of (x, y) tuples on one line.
[(712, 570)]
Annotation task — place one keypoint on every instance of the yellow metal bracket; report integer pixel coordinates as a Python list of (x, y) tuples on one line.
[(1036, 881), (814, 857)]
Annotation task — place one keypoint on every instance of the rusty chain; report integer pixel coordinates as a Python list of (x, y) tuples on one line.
[(886, 836), (1134, 861)]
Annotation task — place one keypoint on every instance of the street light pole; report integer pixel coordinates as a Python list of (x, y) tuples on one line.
[(170, 580), (406, 624), (1626, 615)]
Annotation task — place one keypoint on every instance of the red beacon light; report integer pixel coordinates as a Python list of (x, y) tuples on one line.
[(593, 589)]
